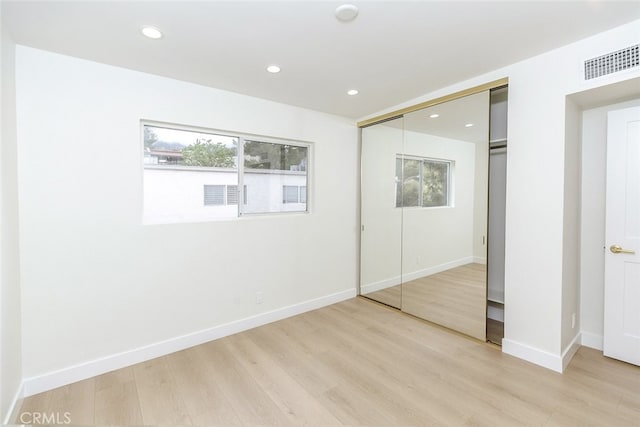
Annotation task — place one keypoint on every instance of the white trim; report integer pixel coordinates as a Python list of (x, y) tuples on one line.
[(533, 355), (15, 406), (112, 362), (592, 340), (570, 351), (480, 260), (378, 286), (437, 269), (397, 280)]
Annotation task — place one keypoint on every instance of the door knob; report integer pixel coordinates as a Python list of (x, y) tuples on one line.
[(617, 249)]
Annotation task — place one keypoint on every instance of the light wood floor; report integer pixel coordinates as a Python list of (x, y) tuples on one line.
[(353, 363), (455, 298), (392, 296)]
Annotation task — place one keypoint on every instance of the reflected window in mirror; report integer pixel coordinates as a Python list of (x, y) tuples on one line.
[(423, 182)]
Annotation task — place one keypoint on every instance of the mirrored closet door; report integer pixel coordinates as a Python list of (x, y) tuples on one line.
[(424, 213), (444, 231), (381, 241)]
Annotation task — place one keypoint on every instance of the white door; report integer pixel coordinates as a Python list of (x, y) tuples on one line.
[(622, 254)]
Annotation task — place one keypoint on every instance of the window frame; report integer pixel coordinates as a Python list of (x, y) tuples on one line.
[(281, 141), (242, 137), (300, 190), (450, 181)]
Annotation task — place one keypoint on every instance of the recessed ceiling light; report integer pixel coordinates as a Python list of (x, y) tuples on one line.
[(468, 125), (346, 12), (352, 92), (151, 32), (273, 69), (434, 116)]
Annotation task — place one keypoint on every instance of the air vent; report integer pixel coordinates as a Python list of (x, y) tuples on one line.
[(612, 62)]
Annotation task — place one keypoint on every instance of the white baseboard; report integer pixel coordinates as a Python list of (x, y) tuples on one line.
[(570, 351), (51, 380), (12, 411), (533, 355), (393, 281), (591, 340), (437, 269), (382, 284), (480, 260)]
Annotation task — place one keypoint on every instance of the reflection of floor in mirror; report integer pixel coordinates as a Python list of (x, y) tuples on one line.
[(454, 298), (390, 296), (495, 331)]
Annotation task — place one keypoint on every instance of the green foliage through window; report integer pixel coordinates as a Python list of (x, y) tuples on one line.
[(208, 154), (422, 182)]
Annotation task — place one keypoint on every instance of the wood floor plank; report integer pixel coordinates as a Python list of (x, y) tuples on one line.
[(354, 363), (244, 394), (32, 404), (116, 399), (160, 401), (197, 383), (295, 356), (291, 397), (75, 402)]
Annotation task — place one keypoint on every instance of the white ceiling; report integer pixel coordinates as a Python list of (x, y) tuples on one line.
[(394, 51)]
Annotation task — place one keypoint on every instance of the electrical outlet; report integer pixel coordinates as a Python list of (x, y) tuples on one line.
[(259, 297), (573, 321)]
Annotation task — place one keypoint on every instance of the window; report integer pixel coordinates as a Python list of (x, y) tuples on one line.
[(422, 182), (216, 195), (294, 194), (276, 172), (232, 194), (192, 174)]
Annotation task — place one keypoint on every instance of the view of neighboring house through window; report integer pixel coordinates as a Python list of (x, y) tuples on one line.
[(294, 194), (274, 173), (422, 182), (195, 175)]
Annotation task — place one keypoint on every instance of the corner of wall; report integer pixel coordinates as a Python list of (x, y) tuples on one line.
[(591, 340), (10, 301), (11, 416), (533, 355), (543, 358)]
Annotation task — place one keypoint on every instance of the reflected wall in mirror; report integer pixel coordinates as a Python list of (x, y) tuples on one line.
[(381, 245)]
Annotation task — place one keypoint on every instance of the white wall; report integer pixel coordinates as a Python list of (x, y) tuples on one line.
[(535, 212), (593, 197), (571, 231), (177, 194), (10, 325), (96, 282)]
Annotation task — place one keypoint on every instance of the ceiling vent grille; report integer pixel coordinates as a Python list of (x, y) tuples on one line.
[(612, 62)]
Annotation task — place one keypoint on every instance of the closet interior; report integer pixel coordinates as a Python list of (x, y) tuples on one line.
[(497, 204), (432, 211)]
